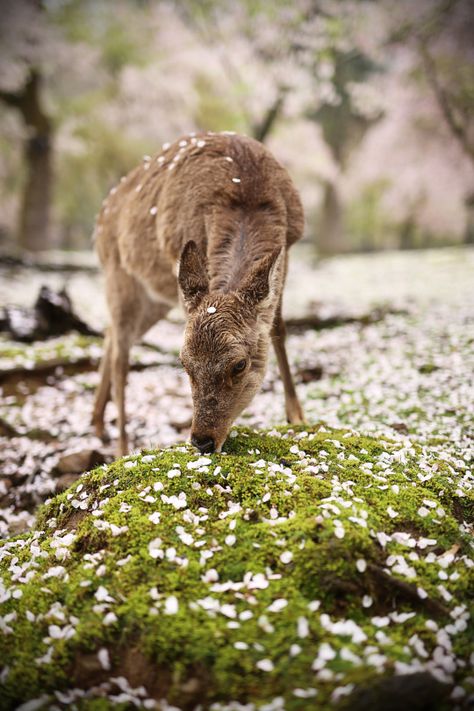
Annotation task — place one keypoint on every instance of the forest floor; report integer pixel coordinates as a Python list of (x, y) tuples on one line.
[(406, 373), (341, 551)]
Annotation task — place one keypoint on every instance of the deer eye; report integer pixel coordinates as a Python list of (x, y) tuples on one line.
[(239, 367)]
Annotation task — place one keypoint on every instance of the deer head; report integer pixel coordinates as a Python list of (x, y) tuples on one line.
[(226, 341)]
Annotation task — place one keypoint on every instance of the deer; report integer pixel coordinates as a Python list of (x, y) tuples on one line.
[(205, 223)]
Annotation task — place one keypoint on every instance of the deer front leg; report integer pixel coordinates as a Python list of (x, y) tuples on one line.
[(294, 412), (103, 389), (120, 355)]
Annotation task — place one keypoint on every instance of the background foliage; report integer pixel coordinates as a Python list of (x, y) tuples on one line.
[(368, 104)]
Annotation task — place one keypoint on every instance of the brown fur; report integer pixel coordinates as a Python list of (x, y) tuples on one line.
[(232, 238)]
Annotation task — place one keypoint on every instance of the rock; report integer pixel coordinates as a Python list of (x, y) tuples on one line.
[(6, 429), (5, 485), (19, 525), (78, 462), (51, 315), (5, 490), (400, 427), (308, 375), (417, 692), (65, 481)]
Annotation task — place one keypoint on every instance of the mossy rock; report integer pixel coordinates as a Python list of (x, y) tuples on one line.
[(298, 570)]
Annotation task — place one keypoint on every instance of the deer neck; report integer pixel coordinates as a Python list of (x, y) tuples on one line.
[(236, 241)]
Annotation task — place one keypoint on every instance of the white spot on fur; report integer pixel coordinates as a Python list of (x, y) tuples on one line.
[(211, 310), (236, 180), (153, 210)]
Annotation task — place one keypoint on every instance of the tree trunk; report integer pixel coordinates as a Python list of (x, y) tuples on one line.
[(35, 204), (262, 130), (469, 231), (331, 238), (408, 233), (33, 229)]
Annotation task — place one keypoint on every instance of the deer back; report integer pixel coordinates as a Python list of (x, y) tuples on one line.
[(226, 192)]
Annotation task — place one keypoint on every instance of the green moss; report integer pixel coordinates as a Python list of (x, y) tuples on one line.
[(295, 508), (68, 348)]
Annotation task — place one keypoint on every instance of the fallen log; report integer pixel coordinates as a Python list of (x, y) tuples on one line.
[(9, 261), (43, 370), (319, 323)]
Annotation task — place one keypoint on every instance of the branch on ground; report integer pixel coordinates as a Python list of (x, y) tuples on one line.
[(407, 590), (318, 323)]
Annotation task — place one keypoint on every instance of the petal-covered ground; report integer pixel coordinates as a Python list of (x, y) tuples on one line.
[(408, 375), (374, 548), (295, 567)]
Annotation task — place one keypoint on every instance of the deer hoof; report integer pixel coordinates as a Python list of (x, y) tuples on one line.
[(100, 432), (294, 413)]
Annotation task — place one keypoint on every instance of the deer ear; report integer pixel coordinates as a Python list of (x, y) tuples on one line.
[(262, 285), (192, 275)]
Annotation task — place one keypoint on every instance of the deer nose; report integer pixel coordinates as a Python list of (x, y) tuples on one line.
[(205, 444)]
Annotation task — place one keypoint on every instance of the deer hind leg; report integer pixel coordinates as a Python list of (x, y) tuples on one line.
[(125, 298), (121, 344), (294, 411), (102, 395)]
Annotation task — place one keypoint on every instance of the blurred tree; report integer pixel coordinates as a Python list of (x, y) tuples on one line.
[(60, 65), (441, 35), (309, 63), (114, 80), (344, 120), (34, 218), (25, 43)]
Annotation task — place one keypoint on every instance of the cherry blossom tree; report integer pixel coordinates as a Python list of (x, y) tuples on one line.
[(330, 86)]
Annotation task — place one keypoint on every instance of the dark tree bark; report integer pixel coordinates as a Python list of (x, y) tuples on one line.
[(458, 128), (408, 233), (469, 231), (262, 129), (35, 205), (426, 30), (331, 239)]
